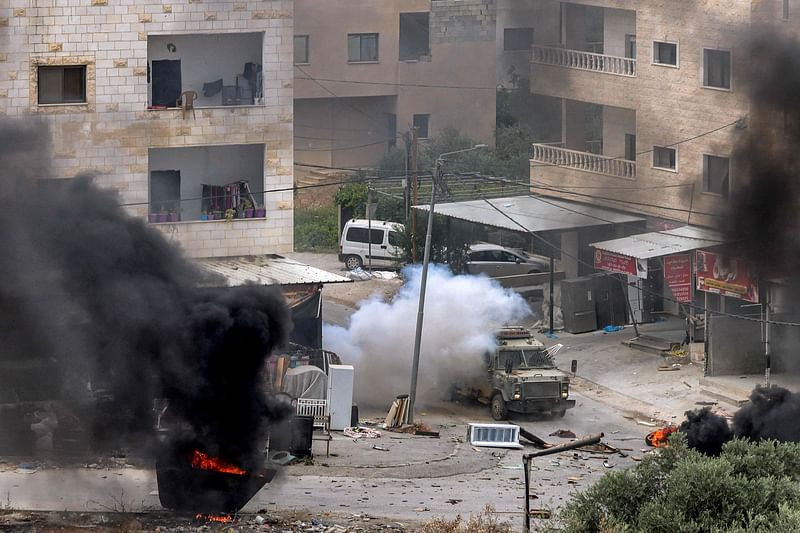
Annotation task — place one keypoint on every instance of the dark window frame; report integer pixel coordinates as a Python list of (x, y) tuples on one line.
[(724, 187), (410, 27), (513, 37), (658, 55), (82, 97), (422, 133), (307, 39), (725, 73), (361, 38), (673, 159)]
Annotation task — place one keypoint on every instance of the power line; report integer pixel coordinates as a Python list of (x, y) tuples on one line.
[(400, 84), (640, 289)]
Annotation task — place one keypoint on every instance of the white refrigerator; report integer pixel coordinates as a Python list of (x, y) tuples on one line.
[(340, 395)]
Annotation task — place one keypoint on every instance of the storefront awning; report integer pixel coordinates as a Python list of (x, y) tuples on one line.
[(266, 269), (531, 213), (661, 243)]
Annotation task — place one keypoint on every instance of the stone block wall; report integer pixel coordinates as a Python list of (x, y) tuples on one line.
[(463, 20), (109, 136)]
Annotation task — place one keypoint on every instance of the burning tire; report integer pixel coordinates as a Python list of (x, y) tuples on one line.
[(499, 407)]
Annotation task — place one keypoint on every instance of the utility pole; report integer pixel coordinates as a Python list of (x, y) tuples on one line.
[(369, 225), (414, 189), (438, 172)]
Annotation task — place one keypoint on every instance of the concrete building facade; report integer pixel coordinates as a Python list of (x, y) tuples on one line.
[(167, 103), (367, 71)]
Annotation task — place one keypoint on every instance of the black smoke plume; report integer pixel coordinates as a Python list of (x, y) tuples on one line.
[(765, 206), (772, 413), (705, 431), (98, 308)]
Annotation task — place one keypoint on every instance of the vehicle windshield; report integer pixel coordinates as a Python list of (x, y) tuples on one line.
[(523, 359)]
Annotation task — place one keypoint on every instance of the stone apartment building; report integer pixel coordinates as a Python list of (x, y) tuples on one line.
[(368, 71), (106, 77), (653, 99)]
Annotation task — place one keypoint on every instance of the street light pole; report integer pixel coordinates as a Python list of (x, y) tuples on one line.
[(438, 171)]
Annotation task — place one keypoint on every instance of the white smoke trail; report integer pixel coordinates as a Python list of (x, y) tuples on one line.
[(461, 314)]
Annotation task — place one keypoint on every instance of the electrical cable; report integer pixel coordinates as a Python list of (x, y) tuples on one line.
[(640, 289)]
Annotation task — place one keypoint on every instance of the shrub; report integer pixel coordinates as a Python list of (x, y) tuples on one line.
[(315, 229), (749, 487)]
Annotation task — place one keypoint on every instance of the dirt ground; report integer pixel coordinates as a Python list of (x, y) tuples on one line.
[(164, 522), (349, 294)]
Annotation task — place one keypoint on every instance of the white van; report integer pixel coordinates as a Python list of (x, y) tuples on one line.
[(354, 246)]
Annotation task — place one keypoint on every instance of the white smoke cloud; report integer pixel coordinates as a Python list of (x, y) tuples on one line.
[(461, 315)]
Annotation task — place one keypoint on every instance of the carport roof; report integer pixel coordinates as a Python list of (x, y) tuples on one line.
[(268, 269), (533, 213), (660, 243)]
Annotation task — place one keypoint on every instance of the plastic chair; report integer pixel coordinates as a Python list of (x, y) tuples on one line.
[(186, 102)]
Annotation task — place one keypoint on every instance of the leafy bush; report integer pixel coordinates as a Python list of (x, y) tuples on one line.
[(749, 487), (315, 229)]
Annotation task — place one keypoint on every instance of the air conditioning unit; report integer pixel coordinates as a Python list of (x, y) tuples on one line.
[(494, 435)]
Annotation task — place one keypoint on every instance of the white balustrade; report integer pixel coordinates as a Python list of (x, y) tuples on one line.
[(585, 161), (577, 59)]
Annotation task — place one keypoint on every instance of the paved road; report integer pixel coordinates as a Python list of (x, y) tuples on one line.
[(417, 479)]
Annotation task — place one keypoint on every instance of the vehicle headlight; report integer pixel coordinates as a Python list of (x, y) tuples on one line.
[(517, 392), (565, 390)]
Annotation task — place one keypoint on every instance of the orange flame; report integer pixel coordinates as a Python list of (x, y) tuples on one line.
[(658, 438), (203, 461), (223, 518)]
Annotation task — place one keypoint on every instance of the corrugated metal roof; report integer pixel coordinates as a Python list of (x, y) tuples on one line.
[(266, 269), (532, 213), (660, 243)]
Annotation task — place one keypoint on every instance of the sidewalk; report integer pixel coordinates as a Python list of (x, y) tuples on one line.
[(634, 380)]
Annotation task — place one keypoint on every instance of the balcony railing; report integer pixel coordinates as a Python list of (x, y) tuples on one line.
[(587, 162), (561, 57)]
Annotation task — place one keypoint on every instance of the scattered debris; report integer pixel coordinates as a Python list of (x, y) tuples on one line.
[(380, 448), (453, 501), (543, 514), (706, 403), (361, 432), (658, 438), (573, 480), (608, 465), (533, 439), (398, 413), (646, 423), (564, 434)]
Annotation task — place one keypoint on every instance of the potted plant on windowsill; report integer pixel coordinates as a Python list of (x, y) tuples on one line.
[(152, 218), (174, 216), (247, 206), (260, 212), (162, 217)]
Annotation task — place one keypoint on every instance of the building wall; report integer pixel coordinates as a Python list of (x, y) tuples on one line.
[(462, 42), (110, 135), (670, 105)]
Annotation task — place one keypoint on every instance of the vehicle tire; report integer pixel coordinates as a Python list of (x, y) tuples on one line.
[(499, 407), (353, 262)]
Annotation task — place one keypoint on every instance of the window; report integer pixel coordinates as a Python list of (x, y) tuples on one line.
[(361, 235), (421, 123), (717, 69), (391, 130), (630, 46), (414, 36), (630, 147), (665, 53), (664, 158), (62, 84), (395, 239), (517, 39), (362, 47), (785, 9), (300, 49), (716, 175)]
